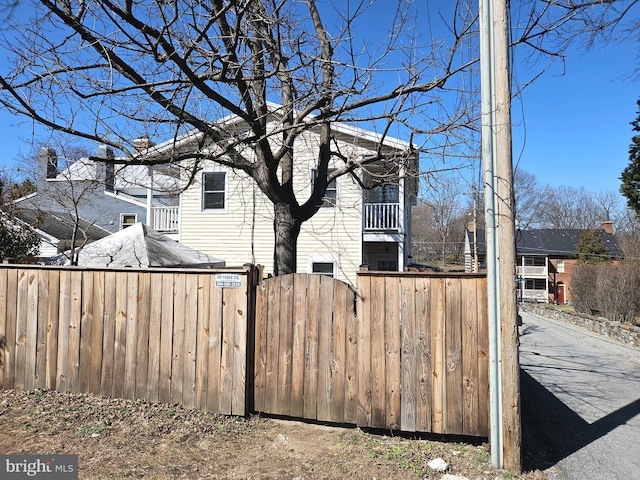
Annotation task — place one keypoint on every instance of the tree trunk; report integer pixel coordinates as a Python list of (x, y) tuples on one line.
[(287, 230)]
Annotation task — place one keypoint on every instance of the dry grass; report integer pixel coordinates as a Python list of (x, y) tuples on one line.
[(117, 438)]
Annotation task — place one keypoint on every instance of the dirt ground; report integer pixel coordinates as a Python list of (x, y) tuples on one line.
[(118, 439)]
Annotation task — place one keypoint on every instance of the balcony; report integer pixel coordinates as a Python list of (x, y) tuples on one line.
[(165, 219), (382, 217), (530, 271)]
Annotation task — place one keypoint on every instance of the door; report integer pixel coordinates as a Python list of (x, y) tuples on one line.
[(561, 293)]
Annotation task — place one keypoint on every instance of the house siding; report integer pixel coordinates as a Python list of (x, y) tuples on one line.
[(243, 232)]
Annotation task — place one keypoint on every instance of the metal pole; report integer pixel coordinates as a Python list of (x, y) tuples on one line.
[(487, 68)]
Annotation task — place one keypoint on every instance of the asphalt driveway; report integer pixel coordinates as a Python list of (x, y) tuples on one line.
[(580, 402)]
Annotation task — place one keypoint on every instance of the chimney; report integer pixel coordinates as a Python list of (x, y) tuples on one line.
[(607, 227), (47, 163), (106, 169), (141, 145)]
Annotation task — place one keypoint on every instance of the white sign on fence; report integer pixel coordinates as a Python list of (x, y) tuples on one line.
[(228, 280)]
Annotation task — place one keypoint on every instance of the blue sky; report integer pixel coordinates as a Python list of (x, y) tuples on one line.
[(570, 128), (576, 129)]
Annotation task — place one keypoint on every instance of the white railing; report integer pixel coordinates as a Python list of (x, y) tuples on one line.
[(382, 216), (166, 219), (537, 295), (532, 271)]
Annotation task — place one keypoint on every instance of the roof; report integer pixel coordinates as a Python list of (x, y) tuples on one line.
[(552, 242), (139, 246), (59, 225)]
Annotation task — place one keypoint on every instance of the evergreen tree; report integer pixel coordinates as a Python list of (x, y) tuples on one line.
[(591, 248), (630, 177)]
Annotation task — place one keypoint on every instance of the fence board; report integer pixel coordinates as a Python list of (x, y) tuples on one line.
[(378, 372), (285, 345), (453, 357), (364, 305), (20, 354), (143, 318), (4, 347), (87, 324), (190, 341), (470, 395), (109, 333), (226, 354), (424, 370), (155, 319), (351, 360), (260, 358), (239, 375), (409, 358), (310, 388), (438, 317), (325, 308), (131, 333), (177, 361), (119, 348), (63, 374), (337, 365), (40, 379), (299, 319), (10, 330), (203, 332), (31, 342), (393, 346), (272, 345), (166, 338), (215, 348), (97, 330)]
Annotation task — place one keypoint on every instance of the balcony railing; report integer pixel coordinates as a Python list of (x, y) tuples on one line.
[(382, 216), (166, 219), (535, 295), (529, 271)]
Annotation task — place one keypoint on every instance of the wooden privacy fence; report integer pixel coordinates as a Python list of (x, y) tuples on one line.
[(402, 351), (170, 336)]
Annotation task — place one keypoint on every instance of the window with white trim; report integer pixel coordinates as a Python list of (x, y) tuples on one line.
[(127, 219), (560, 266), (213, 190), (323, 264)]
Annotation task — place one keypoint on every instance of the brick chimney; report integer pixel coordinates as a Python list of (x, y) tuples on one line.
[(47, 164), (607, 227), (141, 145)]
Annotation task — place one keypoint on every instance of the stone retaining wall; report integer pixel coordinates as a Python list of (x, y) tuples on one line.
[(621, 332)]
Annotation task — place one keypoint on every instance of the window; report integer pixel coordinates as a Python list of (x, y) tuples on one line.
[(127, 219), (323, 264), (560, 267), (535, 284), (534, 261), (322, 268), (331, 193), (213, 186)]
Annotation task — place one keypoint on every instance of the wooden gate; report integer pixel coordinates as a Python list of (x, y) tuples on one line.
[(402, 351)]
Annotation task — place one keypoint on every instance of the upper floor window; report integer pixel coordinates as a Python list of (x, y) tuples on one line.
[(213, 190), (330, 198), (127, 219), (560, 266)]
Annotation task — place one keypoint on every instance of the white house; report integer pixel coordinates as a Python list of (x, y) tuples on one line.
[(224, 214)]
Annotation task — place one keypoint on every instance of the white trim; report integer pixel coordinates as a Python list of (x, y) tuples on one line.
[(324, 258), (126, 198), (125, 214), (215, 211)]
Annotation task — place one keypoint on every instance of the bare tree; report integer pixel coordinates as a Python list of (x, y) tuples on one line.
[(530, 198), (66, 192), (113, 71)]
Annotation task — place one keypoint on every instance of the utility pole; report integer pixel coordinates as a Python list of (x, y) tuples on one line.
[(504, 371)]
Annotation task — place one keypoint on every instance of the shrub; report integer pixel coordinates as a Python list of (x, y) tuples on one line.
[(611, 290)]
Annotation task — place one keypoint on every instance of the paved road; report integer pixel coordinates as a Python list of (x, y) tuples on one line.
[(580, 402)]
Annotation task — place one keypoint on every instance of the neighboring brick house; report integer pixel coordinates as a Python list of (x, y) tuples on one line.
[(545, 259)]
